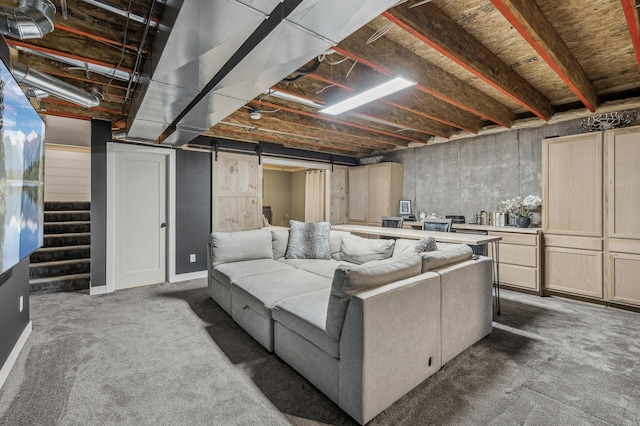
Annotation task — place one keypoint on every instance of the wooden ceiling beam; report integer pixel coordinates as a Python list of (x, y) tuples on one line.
[(435, 28), (633, 22), (395, 139), (98, 38), (527, 18), (390, 58)]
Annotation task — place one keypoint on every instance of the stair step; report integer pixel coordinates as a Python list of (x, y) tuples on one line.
[(67, 227), (64, 283), (67, 216), (59, 268), (67, 205), (49, 254), (73, 239)]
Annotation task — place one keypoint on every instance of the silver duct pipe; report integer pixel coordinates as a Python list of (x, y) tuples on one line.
[(31, 19), (59, 88)]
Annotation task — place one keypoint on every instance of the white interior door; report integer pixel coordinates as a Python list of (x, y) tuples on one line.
[(140, 219)]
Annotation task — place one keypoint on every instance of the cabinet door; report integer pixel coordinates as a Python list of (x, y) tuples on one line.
[(574, 271), (623, 180), (358, 194), (378, 193), (624, 285), (572, 185), (237, 192)]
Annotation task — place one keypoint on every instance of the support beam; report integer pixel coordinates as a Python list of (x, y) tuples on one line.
[(633, 22), (435, 28), (527, 18), (390, 58)]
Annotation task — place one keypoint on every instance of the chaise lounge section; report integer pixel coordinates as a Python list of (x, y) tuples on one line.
[(366, 332)]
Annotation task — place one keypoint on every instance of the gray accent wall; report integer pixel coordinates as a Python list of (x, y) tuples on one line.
[(473, 174), (100, 135), (12, 321), (193, 209)]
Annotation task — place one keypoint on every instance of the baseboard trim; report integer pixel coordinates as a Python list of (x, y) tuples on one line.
[(189, 276), (99, 289), (13, 356)]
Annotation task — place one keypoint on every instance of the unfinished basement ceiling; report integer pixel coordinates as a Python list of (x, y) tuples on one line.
[(479, 64)]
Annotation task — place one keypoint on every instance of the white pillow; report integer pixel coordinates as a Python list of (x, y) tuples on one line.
[(242, 245), (361, 250)]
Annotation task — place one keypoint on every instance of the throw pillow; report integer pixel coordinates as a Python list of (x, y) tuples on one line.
[(425, 244), (351, 280), (360, 250), (308, 240), (238, 246), (279, 240), (453, 253), (335, 243)]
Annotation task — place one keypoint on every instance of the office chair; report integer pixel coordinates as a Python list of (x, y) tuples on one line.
[(438, 225), (391, 222)]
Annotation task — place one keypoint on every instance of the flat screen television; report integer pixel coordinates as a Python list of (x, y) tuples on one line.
[(21, 174)]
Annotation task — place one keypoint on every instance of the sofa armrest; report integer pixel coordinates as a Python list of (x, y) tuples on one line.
[(390, 343)]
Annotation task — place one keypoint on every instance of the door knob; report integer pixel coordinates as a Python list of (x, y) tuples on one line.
[(164, 225)]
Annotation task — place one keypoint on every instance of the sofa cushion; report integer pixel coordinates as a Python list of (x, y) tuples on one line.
[(335, 243), (279, 241), (306, 315), (351, 280), (325, 268), (226, 273), (238, 246), (262, 292), (447, 255), (308, 240), (413, 246), (360, 250)]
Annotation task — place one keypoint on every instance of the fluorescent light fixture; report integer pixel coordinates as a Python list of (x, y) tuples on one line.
[(367, 96)]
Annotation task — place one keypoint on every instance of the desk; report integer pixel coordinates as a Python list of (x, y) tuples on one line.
[(442, 237)]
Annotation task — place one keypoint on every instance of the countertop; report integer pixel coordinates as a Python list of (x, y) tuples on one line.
[(487, 228)]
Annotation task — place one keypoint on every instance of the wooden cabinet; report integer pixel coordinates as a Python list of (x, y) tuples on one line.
[(519, 259), (374, 191), (572, 171), (622, 228), (339, 196)]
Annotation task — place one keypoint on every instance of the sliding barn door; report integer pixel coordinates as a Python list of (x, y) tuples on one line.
[(236, 192)]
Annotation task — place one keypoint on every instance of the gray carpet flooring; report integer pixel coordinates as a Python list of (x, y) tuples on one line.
[(168, 355)]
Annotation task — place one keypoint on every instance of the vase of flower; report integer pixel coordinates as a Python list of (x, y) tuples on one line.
[(521, 208)]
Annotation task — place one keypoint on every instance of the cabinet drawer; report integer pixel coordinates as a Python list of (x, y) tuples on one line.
[(512, 238), (519, 276), (624, 270), (517, 255), (574, 271), (583, 243), (624, 246)]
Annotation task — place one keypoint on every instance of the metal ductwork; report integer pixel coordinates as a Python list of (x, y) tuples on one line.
[(24, 74), (31, 19), (217, 55)]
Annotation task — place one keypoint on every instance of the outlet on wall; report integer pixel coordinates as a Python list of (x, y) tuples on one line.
[(192, 258), (21, 303)]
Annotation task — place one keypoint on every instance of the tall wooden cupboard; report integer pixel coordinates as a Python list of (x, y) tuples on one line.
[(591, 195), (374, 191)]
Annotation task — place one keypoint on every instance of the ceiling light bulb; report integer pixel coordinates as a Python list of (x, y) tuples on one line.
[(255, 114)]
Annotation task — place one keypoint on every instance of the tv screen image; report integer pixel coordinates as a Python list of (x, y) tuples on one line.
[(21, 174)]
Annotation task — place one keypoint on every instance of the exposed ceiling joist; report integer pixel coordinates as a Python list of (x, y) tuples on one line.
[(527, 18), (633, 22), (389, 57), (432, 26)]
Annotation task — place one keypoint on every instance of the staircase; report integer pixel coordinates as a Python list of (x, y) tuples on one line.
[(63, 262)]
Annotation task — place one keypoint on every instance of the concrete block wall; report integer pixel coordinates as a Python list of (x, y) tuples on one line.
[(473, 174)]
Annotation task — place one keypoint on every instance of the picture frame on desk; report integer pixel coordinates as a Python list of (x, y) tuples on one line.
[(405, 208)]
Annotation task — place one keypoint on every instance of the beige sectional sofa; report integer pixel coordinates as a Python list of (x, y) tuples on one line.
[(365, 334)]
